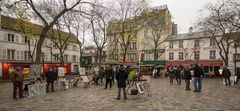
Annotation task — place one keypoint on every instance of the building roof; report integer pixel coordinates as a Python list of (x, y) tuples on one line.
[(194, 35), (9, 23)]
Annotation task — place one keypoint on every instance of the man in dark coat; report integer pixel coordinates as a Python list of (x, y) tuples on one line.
[(226, 75), (198, 74), (51, 77), (121, 77), (109, 75), (187, 77), (176, 72)]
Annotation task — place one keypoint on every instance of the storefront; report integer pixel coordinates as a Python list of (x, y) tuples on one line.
[(210, 67), (8, 67)]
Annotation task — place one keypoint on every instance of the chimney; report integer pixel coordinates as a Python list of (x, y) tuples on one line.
[(174, 29), (190, 30)]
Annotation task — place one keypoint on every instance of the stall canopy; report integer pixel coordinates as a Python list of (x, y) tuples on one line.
[(159, 62), (201, 63)]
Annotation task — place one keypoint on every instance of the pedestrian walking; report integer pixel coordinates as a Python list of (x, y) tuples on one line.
[(226, 75), (121, 77), (17, 80), (176, 72), (198, 74), (51, 77), (109, 75), (187, 77)]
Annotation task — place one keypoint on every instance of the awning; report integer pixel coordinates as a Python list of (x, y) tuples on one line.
[(159, 62), (201, 63)]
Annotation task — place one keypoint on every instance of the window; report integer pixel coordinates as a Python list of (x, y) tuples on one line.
[(134, 45), (212, 42), (65, 57), (212, 55), (170, 45), (11, 37), (196, 55), (10, 54), (180, 43), (128, 57), (186, 55), (171, 56), (26, 55), (180, 55), (74, 47), (196, 43), (26, 41), (74, 58), (55, 57)]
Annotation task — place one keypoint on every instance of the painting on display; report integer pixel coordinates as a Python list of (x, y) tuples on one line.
[(82, 71), (85, 79), (61, 72), (33, 90), (35, 71), (96, 69), (42, 88), (140, 88)]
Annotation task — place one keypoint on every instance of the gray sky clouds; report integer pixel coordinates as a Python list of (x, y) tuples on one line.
[(184, 12)]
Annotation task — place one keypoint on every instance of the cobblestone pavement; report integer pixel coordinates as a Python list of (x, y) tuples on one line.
[(165, 97)]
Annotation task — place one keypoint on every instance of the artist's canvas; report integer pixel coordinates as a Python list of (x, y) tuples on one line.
[(82, 71), (35, 71), (85, 79), (42, 88), (60, 72), (33, 90), (140, 88)]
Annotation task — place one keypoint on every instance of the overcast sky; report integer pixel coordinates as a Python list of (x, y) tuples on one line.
[(184, 12)]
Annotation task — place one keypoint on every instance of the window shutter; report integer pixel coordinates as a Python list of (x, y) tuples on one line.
[(16, 38), (5, 36), (22, 55), (1, 54), (4, 54)]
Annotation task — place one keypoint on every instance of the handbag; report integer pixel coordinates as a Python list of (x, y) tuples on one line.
[(134, 91)]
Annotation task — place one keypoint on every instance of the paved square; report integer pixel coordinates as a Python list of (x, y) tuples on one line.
[(165, 97)]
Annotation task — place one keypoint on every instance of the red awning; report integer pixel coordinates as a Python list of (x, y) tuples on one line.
[(201, 63)]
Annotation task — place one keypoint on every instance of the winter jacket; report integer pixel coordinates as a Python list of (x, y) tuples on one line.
[(187, 74), (16, 76), (198, 72), (226, 73), (109, 73), (121, 77), (51, 76)]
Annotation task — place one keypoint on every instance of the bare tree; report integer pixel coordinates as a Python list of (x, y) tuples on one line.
[(127, 11), (80, 27), (48, 12), (219, 23), (99, 17), (60, 38)]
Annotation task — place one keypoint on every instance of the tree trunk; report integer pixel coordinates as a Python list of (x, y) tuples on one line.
[(100, 57), (155, 57), (39, 45)]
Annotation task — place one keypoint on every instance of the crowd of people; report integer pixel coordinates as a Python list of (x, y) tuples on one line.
[(121, 74)]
